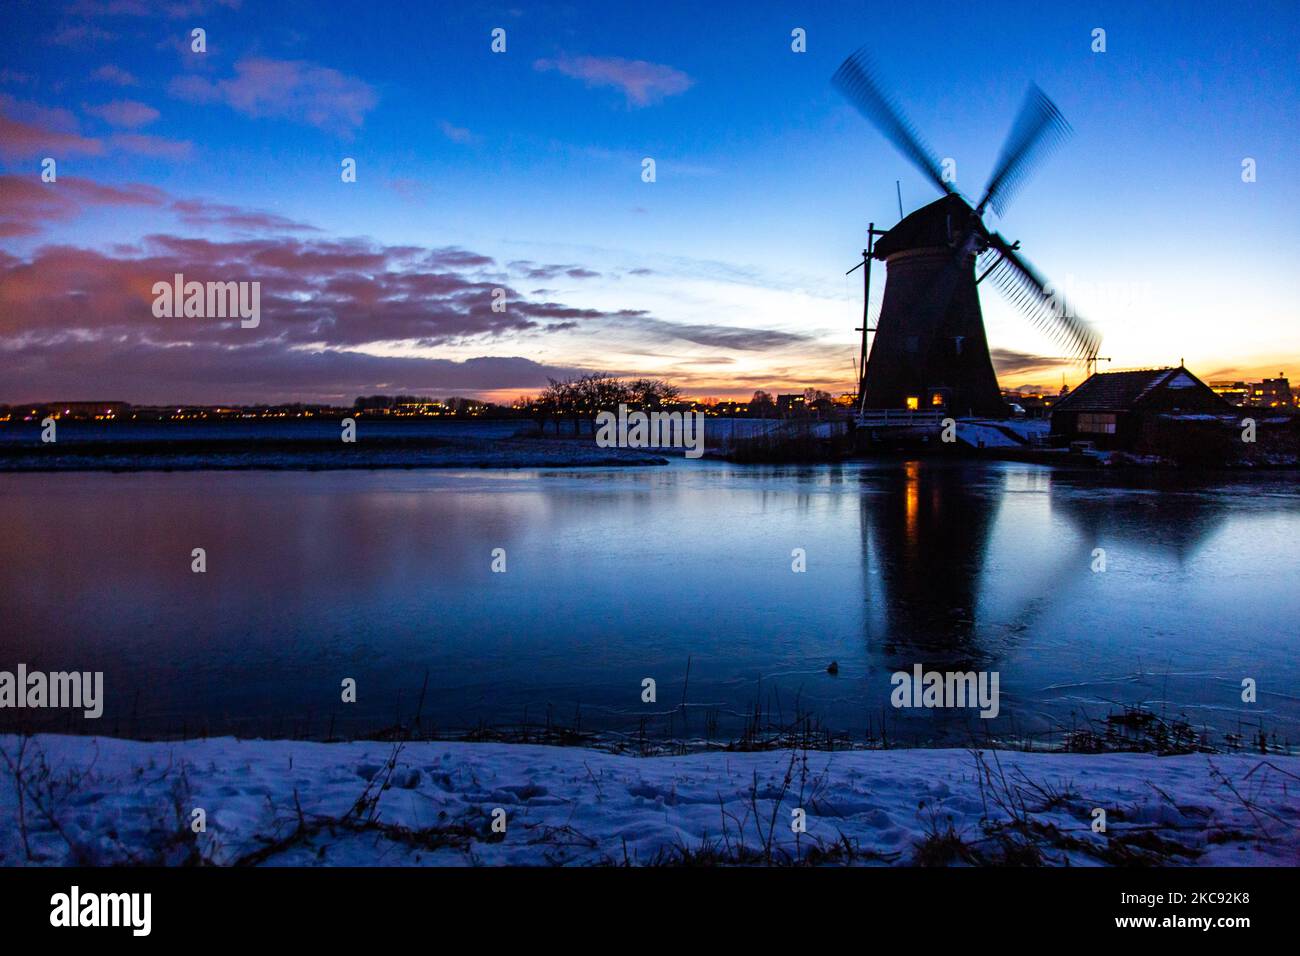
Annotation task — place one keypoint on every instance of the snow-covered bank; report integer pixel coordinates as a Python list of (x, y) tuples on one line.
[(101, 800)]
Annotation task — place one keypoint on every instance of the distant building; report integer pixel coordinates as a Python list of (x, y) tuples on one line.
[(87, 411), (1034, 403), (422, 407), (1036, 406), (730, 409), (790, 404), (1236, 393), (1111, 409), (1271, 393)]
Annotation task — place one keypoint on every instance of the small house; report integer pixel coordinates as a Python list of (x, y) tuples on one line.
[(1114, 409)]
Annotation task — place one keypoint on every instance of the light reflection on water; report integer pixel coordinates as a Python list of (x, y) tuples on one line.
[(617, 575)]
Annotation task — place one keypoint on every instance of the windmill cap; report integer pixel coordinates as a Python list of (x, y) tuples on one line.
[(929, 227)]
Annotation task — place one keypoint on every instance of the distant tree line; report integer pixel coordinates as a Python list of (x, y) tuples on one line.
[(580, 399), (570, 404)]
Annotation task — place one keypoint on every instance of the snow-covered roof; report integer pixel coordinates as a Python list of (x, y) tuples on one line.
[(1122, 391)]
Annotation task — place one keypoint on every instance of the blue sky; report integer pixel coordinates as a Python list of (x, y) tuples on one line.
[(725, 274)]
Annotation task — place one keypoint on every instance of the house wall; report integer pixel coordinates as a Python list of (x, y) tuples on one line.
[(1065, 429), (1218, 441)]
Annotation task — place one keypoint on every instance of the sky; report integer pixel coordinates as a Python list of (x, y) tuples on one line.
[(522, 171)]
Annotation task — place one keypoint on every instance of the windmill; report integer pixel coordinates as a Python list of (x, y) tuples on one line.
[(930, 350)]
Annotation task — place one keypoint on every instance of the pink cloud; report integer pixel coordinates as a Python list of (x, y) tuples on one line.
[(286, 89), (29, 130), (340, 293), (200, 212), (28, 205), (643, 83), (129, 114)]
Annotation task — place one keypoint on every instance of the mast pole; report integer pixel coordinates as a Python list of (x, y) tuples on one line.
[(866, 308)]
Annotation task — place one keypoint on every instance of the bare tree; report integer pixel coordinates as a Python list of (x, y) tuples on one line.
[(652, 392), (599, 392), (555, 401)]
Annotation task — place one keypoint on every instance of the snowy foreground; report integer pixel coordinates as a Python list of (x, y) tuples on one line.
[(101, 801)]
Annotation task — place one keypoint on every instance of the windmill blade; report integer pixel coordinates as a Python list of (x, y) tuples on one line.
[(856, 80), (1038, 130), (1048, 311)]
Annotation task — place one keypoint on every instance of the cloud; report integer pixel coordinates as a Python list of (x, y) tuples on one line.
[(533, 270), (457, 134), (339, 316), (30, 130), (642, 83), (109, 73), (84, 316), (147, 373), (708, 360), (1010, 362), (453, 257), (27, 205), (286, 89), (126, 114), (199, 212), (712, 336)]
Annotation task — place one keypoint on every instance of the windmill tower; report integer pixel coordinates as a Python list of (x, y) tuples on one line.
[(930, 351)]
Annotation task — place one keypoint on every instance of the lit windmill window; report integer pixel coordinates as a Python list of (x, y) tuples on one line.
[(936, 399), (913, 403)]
